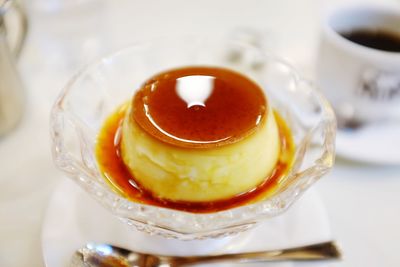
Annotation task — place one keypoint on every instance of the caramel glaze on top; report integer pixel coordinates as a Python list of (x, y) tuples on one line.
[(230, 111), (199, 107)]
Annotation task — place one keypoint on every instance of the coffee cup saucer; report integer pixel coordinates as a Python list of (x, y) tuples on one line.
[(375, 143)]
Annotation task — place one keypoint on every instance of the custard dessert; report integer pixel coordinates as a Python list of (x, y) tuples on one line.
[(197, 139)]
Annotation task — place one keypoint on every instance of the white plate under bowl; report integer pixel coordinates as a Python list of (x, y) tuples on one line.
[(74, 219), (377, 143)]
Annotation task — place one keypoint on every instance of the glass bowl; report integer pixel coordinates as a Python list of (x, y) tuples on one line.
[(96, 91)]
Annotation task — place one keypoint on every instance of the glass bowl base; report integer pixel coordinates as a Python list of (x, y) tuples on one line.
[(74, 219)]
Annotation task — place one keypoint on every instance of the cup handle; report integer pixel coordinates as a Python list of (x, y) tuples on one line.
[(23, 28)]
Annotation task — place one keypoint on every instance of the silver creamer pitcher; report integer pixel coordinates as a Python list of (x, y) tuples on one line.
[(11, 91)]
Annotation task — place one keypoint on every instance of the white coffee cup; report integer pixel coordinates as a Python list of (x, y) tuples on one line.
[(362, 83)]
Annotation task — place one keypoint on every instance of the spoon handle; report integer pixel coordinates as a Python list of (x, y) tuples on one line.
[(320, 251)]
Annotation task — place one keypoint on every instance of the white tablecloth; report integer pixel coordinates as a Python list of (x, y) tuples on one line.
[(362, 200)]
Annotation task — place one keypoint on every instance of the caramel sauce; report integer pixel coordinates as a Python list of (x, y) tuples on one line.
[(210, 126), (199, 107), (120, 179)]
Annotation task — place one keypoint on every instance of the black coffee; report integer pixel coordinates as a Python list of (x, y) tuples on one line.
[(377, 39)]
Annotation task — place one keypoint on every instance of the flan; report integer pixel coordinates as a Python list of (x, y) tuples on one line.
[(196, 135)]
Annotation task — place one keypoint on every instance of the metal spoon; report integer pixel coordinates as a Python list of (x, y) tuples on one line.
[(103, 255)]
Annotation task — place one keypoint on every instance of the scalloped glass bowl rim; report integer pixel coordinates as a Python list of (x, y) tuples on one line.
[(232, 218)]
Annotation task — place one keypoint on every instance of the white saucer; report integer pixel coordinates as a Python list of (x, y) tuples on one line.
[(74, 219), (377, 143)]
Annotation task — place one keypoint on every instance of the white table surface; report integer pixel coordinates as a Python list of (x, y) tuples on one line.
[(362, 200)]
